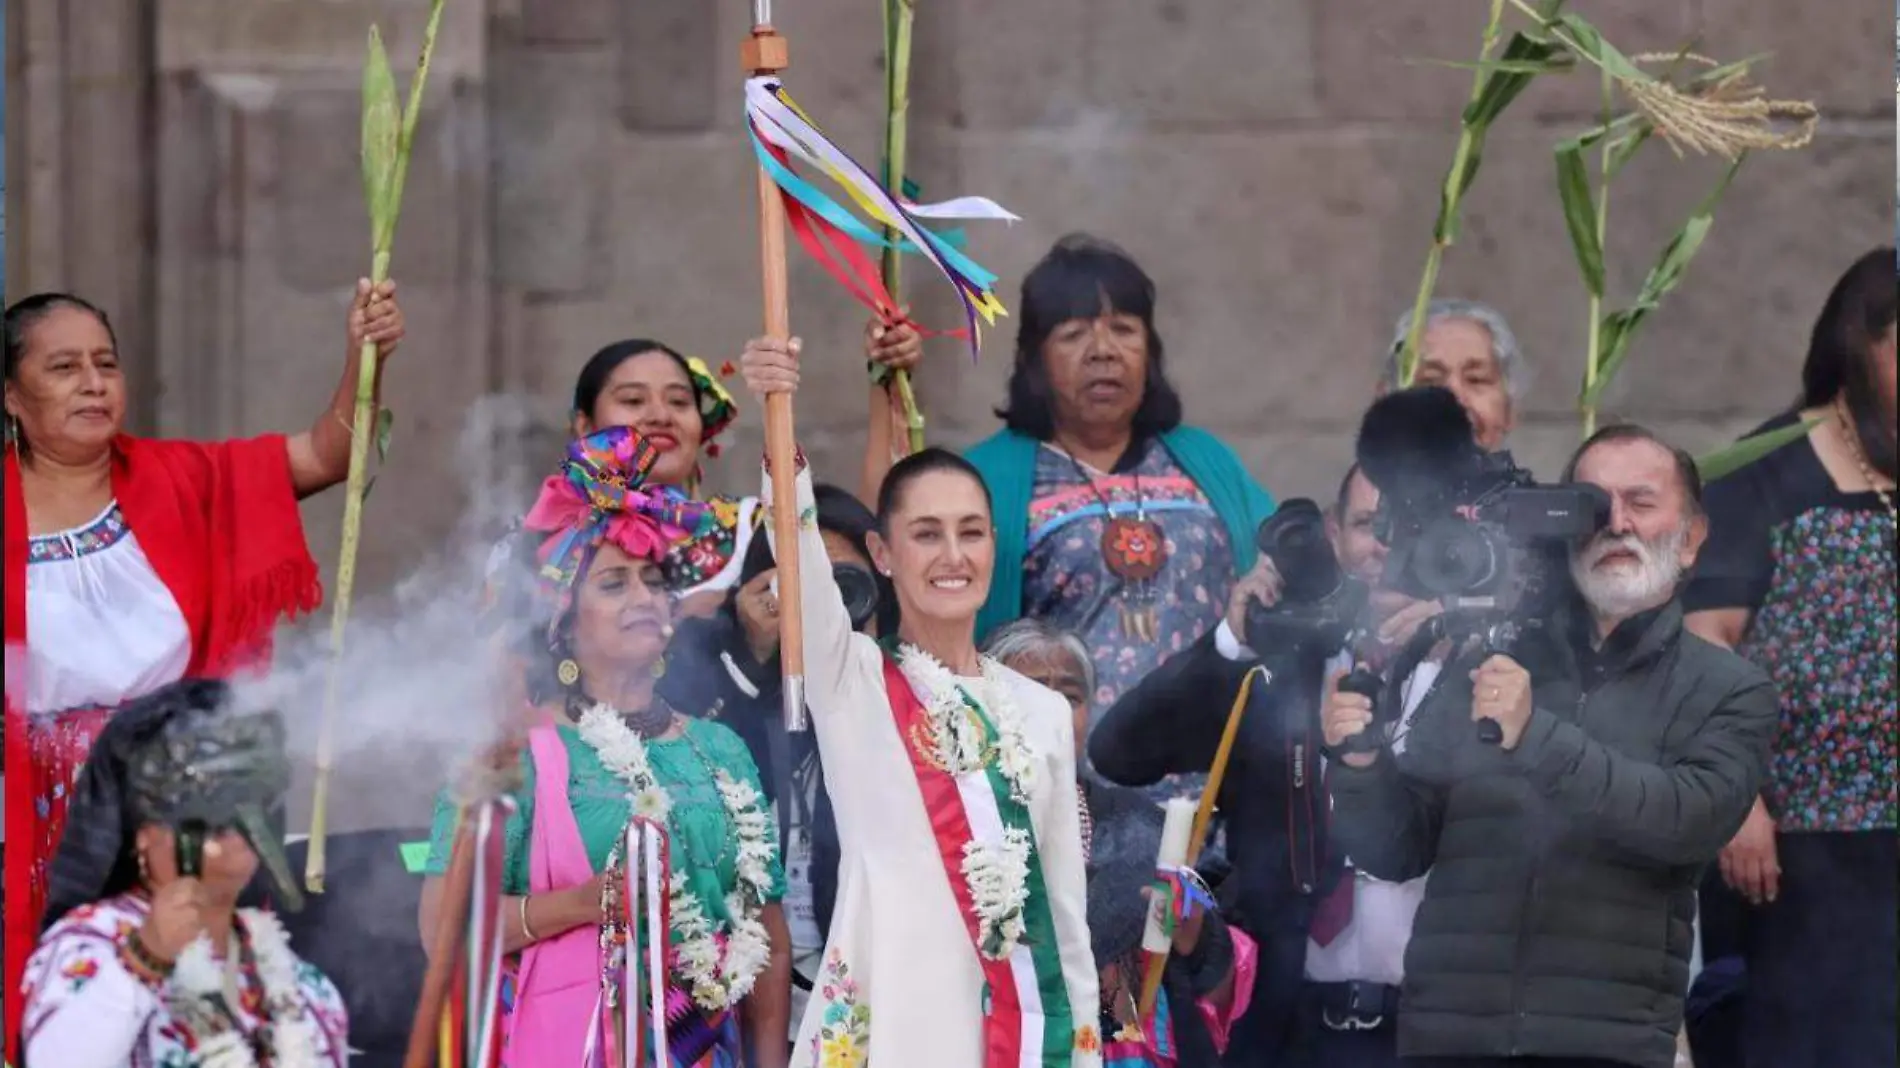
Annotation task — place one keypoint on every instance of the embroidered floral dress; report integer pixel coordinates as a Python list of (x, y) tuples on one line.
[(85, 1009), (1067, 582), (902, 984), (1817, 568)]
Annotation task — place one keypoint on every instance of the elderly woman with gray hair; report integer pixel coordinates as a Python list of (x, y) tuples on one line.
[(1470, 349), (1210, 976)]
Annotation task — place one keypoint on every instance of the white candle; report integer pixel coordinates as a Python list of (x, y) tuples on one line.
[(1175, 828)]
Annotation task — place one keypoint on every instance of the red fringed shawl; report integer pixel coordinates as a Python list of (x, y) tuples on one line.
[(220, 525)]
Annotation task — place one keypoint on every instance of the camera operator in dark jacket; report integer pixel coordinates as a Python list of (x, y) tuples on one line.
[(1556, 925), (1272, 803), (728, 662)]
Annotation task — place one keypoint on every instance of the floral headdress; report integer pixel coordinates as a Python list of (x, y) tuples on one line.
[(602, 495), (717, 409)]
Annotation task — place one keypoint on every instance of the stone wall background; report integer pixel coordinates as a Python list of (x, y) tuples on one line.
[(582, 176)]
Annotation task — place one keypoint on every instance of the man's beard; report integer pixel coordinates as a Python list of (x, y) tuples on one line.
[(1630, 587)]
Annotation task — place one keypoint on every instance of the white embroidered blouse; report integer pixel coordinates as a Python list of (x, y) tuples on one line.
[(86, 1009)]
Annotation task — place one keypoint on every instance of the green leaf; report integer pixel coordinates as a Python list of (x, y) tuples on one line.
[(1663, 278), (1580, 215), (382, 128), (1716, 75), (1559, 63), (385, 423), (1590, 43), (1502, 86), (1732, 458), (1625, 148)]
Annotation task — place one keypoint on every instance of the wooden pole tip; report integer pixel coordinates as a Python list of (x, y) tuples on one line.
[(765, 52)]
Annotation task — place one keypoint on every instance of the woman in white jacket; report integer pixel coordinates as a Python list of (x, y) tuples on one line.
[(960, 938)]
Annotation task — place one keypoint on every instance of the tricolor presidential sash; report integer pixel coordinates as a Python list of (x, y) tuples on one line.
[(1027, 1019)]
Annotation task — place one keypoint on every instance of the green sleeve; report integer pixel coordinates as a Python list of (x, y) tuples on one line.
[(729, 751), (515, 841)]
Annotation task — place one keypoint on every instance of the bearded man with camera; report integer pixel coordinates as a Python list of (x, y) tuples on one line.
[(1565, 781)]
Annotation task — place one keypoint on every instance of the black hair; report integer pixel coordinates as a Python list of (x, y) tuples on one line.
[(842, 513), (890, 495), (1345, 492), (1078, 277), (1686, 472), (601, 366), (1859, 309), (24, 314)]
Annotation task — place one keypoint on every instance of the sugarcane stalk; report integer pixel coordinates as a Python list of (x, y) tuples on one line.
[(386, 150), (1446, 232), (899, 19)]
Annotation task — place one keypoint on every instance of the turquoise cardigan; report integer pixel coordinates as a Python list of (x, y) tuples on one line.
[(1008, 463)]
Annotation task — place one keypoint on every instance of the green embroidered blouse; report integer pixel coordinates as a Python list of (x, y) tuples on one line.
[(704, 846)]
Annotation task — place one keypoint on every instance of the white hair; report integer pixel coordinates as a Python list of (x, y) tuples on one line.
[(1511, 364), (1032, 637)]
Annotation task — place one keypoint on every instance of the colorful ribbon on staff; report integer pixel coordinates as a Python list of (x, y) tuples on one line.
[(782, 131), (1183, 894)]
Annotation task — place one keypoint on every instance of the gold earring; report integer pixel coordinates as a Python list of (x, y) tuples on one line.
[(145, 868), (659, 667), (567, 672)]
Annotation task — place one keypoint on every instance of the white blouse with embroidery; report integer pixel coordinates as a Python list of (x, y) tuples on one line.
[(101, 626), (86, 1009)]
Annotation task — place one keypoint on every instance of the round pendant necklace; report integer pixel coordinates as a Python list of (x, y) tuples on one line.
[(1134, 549)]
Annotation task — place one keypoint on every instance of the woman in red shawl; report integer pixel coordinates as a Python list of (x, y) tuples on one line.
[(132, 562)]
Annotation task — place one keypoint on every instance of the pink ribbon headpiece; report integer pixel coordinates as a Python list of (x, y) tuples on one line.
[(601, 495)]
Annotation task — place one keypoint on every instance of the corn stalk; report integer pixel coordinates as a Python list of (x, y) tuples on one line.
[(900, 17), (1494, 85), (1715, 112), (389, 135)]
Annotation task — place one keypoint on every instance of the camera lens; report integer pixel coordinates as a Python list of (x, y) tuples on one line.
[(858, 589), (1456, 557), (1294, 538)]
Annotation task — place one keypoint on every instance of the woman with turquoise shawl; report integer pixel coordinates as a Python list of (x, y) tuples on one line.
[(1128, 528), (612, 749)]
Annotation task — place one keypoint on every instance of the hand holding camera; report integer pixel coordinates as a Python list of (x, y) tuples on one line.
[(1347, 715), (756, 605), (1501, 693), (1260, 587)]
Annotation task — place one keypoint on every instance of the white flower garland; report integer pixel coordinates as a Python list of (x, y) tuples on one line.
[(956, 738), (197, 987), (997, 873), (718, 977)]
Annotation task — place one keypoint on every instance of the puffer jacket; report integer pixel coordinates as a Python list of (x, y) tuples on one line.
[(1557, 922)]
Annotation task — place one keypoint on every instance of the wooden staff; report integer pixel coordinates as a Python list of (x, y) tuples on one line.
[(1203, 815), (766, 53), (444, 950)]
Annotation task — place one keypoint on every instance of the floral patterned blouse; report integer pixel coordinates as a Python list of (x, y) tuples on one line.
[(1067, 583), (1816, 567), (84, 1006)]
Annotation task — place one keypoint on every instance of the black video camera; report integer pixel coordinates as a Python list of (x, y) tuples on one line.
[(1463, 526), (1318, 601), (1466, 528)]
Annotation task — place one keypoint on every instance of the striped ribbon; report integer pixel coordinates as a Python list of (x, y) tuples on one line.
[(835, 237)]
